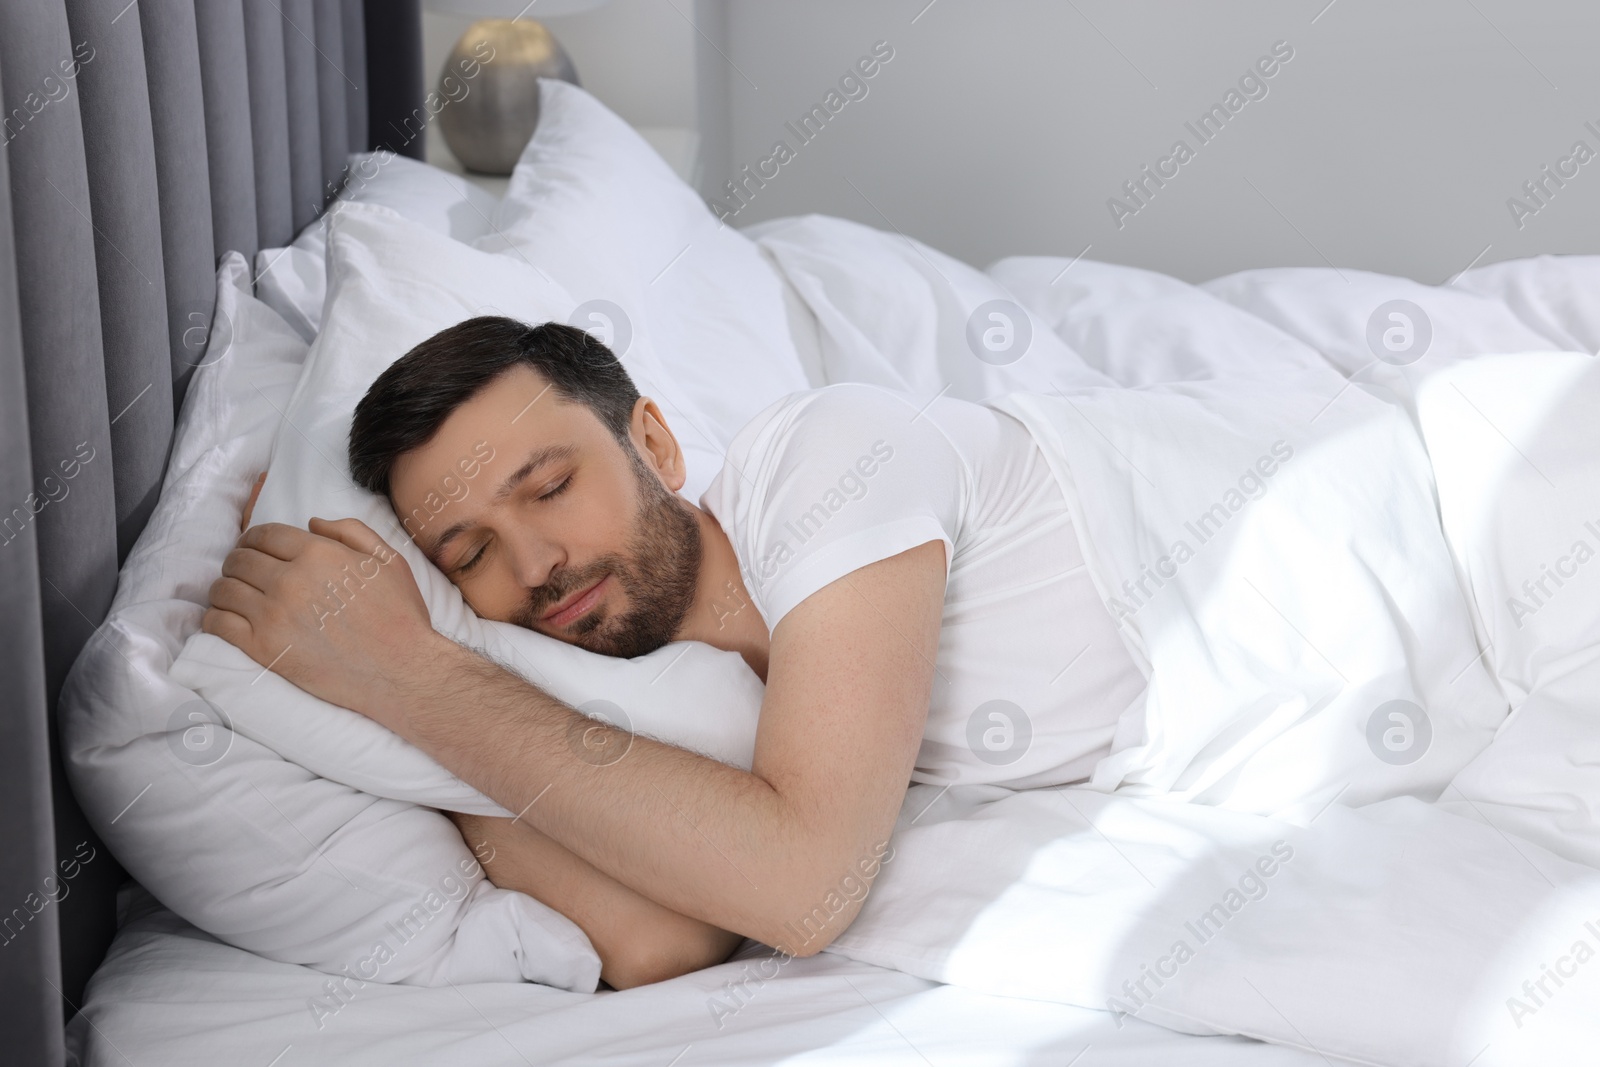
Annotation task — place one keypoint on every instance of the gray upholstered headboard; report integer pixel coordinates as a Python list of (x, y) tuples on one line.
[(139, 140)]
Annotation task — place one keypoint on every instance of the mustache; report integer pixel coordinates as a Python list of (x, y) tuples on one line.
[(546, 596)]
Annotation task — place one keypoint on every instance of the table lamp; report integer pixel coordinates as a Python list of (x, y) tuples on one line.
[(491, 77)]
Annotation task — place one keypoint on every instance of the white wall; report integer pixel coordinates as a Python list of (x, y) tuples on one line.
[(1391, 141)]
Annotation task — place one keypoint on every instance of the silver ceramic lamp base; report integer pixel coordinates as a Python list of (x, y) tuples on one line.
[(488, 127)]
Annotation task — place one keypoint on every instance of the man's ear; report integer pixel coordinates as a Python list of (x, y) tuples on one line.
[(657, 445)]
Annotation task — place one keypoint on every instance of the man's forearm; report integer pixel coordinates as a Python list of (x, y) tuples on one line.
[(638, 940), (700, 837)]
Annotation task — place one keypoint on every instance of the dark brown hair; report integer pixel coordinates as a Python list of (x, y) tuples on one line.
[(410, 400)]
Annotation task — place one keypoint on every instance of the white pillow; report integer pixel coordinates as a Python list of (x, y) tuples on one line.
[(294, 280), (239, 841), (1141, 327), (592, 206), (1350, 316), (894, 312), (395, 284), (1555, 295)]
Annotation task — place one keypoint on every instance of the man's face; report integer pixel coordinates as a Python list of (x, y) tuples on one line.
[(542, 518)]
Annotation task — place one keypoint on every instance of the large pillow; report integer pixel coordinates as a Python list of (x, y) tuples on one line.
[(241, 842), (1141, 327), (1362, 321), (895, 312), (293, 281), (393, 285), (1554, 295), (592, 206)]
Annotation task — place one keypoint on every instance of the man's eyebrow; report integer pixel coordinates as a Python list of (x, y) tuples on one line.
[(540, 457)]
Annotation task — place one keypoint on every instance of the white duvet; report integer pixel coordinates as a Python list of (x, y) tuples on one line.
[(1326, 642), (1356, 814), (1313, 656)]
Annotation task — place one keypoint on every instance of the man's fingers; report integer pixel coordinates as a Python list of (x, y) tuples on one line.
[(353, 533), (232, 628), (276, 539), (250, 567), (240, 597)]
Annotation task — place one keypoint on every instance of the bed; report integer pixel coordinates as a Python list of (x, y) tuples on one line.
[(1409, 909)]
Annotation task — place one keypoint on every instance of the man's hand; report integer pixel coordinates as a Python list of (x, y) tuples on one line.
[(335, 610)]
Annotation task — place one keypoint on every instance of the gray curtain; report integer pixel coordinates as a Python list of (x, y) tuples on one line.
[(138, 142)]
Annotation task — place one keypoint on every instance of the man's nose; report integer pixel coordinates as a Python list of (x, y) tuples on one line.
[(533, 558)]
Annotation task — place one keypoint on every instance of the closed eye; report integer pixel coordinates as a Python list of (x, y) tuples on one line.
[(478, 556)]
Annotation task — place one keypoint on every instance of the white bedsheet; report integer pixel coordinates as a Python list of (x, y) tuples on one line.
[(169, 994), (1396, 933)]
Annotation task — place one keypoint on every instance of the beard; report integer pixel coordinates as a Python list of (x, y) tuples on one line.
[(659, 576)]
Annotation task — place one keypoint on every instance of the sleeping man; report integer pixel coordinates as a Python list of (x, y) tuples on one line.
[(902, 574)]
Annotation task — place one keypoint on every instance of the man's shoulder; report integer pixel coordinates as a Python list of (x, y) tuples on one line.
[(848, 398), (822, 409), (797, 426)]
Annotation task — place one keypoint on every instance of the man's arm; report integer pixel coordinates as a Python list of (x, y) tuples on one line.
[(851, 670), (848, 684), (638, 941)]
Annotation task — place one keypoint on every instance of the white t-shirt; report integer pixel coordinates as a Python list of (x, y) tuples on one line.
[(1031, 674)]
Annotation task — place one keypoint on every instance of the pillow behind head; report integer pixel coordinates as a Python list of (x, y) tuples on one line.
[(595, 208), (394, 284), (293, 281)]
